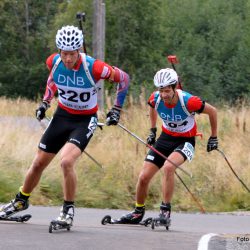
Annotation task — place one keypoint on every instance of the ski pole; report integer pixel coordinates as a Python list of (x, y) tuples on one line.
[(152, 148), (192, 195), (155, 150), (224, 156), (93, 159)]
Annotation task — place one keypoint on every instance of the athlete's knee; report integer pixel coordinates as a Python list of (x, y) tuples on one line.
[(38, 165), (143, 179), (66, 164), (168, 169)]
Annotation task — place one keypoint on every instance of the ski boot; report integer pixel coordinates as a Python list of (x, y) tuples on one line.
[(135, 217), (16, 205), (65, 219), (164, 217)]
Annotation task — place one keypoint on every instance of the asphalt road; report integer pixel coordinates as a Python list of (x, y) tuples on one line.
[(232, 232)]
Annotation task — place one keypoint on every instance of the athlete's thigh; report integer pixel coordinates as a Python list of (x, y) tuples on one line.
[(55, 136), (162, 145), (43, 158), (186, 149), (83, 132), (174, 159), (70, 152)]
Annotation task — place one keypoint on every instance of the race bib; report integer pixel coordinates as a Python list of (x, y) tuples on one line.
[(188, 150)]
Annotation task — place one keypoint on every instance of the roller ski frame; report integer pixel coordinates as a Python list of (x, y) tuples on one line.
[(107, 219), (58, 225), (17, 218), (156, 222)]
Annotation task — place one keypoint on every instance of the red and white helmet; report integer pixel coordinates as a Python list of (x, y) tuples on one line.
[(69, 38), (165, 77)]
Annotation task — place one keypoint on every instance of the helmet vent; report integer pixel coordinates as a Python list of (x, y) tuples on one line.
[(69, 38), (165, 77)]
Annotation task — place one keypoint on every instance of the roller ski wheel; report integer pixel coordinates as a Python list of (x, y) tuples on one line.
[(108, 220), (17, 218), (157, 222), (58, 225), (146, 222)]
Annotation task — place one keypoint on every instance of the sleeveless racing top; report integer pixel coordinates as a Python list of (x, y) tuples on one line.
[(177, 121), (76, 88)]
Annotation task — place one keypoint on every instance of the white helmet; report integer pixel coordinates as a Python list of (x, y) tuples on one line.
[(69, 38), (165, 77)]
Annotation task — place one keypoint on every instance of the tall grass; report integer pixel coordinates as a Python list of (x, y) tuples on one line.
[(122, 157)]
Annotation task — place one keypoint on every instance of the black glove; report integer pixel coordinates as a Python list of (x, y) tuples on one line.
[(152, 136), (40, 112), (113, 117), (212, 143)]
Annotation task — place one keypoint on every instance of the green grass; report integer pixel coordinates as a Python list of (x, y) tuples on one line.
[(122, 157)]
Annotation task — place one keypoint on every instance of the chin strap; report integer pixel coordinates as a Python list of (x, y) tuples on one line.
[(173, 96)]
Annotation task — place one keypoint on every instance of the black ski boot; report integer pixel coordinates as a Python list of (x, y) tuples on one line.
[(164, 216), (65, 219), (134, 217)]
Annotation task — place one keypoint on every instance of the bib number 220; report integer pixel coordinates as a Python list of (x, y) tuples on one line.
[(73, 96)]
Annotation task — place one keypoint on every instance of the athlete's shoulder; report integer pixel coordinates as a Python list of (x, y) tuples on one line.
[(153, 98), (101, 70), (185, 94), (90, 59), (51, 60), (194, 103)]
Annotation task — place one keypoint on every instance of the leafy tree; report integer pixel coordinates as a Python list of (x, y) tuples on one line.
[(66, 15), (23, 45), (208, 36), (135, 38)]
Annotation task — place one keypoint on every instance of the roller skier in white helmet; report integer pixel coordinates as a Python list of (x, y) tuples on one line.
[(176, 109), (73, 75)]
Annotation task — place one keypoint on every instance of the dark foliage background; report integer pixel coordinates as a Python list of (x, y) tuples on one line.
[(211, 39)]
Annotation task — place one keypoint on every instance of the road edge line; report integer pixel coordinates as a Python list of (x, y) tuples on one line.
[(203, 242)]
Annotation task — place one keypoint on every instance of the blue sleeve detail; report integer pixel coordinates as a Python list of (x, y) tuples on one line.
[(156, 95), (122, 87), (122, 90)]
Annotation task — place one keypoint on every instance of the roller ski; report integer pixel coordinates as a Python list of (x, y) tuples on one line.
[(64, 221), (163, 220), (17, 218), (133, 218), (107, 219), (7, 211)]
